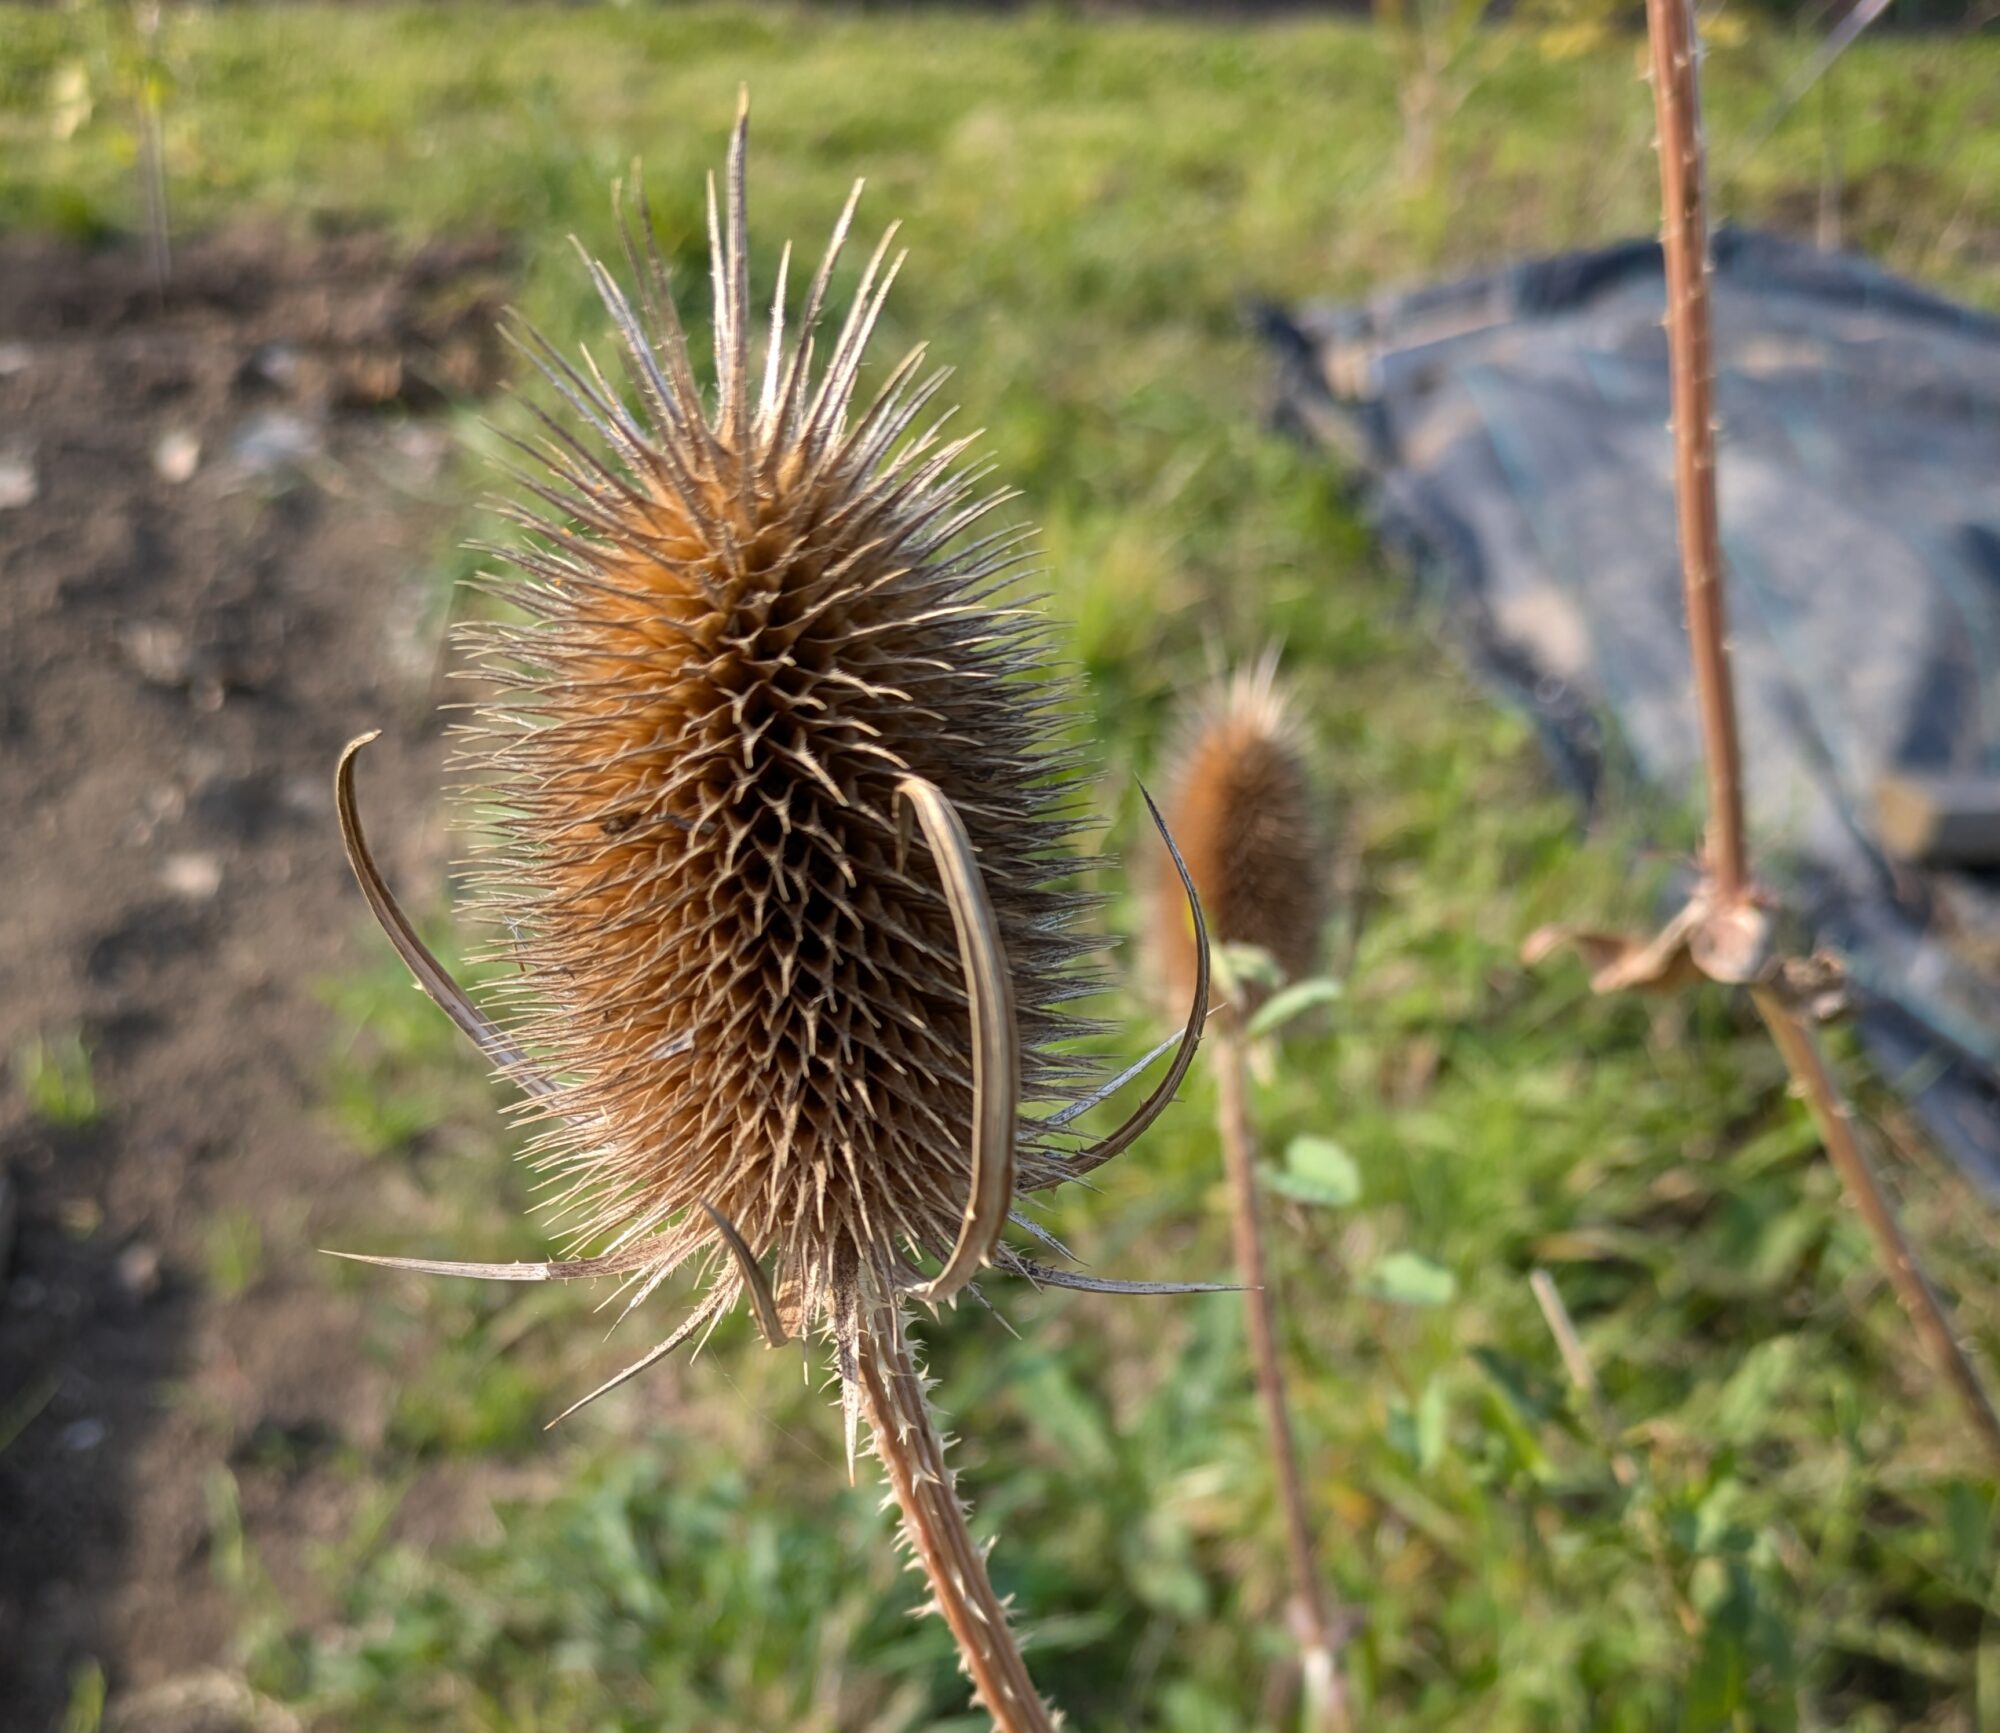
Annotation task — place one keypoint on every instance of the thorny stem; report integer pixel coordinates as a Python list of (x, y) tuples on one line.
[(1835, 1120), (907, 1441), (1326, 1696), (1677, 107)]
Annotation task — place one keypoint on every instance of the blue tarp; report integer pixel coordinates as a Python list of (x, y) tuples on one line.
[(1512, 432)]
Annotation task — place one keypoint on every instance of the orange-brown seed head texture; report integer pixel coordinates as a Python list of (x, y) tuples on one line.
[(745, 625), (1242, 806)]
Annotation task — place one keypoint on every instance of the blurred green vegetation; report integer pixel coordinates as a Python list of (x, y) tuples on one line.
[(1808, 1540), (54, 1076)]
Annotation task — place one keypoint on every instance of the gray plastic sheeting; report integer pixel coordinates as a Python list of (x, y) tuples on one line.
[(1513, 430)]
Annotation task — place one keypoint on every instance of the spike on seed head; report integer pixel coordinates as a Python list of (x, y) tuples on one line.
[(1241, 804)]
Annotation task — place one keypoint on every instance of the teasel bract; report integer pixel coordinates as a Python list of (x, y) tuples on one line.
[(778, 808), (1242, 802)]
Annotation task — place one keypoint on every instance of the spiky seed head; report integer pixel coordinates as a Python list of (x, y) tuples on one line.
[(1242, 806), (745, 625)]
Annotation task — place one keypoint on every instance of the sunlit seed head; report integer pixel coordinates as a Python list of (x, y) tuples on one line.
[(1241, 804), (748, 615)]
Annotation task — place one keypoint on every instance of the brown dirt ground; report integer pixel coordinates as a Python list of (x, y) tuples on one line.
[(180, 661)]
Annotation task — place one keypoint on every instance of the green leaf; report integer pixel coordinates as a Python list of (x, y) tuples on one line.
[(1433, 1418), (1411, 1279), (1317, 1171), (1238, 965), (1968, 1516), (1420, 1435), (1282, 1007)]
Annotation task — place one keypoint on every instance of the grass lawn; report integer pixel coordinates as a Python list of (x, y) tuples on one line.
[(1809, 1542)]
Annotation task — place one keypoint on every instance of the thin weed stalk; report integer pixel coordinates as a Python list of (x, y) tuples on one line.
[(1683, 199), (153, 149), (1310, 1617), (1835, 1120)]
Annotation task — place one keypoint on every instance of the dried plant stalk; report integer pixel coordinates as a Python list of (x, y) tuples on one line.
[(778, 807), (1624, 1470), (1311, 1616), (912, 1454), (1244, 809), (1835, 1119), (1677, 109), (1684, 238)]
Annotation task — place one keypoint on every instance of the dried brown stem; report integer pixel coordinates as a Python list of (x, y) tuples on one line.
[(1318, 1637), (1835, 1120), (907, 1441), (1677, 107)]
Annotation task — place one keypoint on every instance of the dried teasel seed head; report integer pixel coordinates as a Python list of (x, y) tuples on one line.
[(777, 812), (748, 625), (1242, 806)]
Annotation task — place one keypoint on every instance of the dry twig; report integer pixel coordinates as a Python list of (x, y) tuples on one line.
[(1624, 1467), (1724, 933), (1312, 1621), (1677, 107)]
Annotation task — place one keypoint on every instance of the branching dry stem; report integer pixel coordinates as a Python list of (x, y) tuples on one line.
[(1312, 1623), (1677, 108)]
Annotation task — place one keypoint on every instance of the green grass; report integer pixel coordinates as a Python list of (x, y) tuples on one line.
[(233, 1254), (1087, 205), (85, 1710), (54, 1076)]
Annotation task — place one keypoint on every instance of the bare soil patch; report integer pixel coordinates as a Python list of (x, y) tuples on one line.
[(215, 510)]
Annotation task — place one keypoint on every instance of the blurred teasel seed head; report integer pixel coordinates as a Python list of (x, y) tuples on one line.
[(1242, 806)]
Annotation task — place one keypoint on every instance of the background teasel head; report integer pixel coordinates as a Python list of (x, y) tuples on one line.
[(1241, 803), (779, 805)]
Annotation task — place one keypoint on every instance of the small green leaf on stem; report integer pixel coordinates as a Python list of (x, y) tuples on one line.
[(1241, 965), (1283, 1006)]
